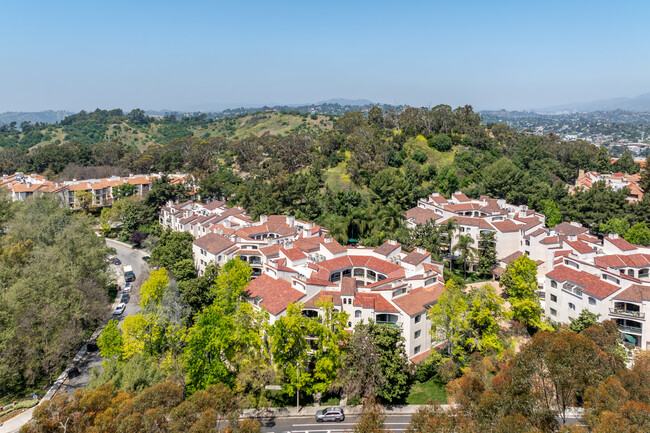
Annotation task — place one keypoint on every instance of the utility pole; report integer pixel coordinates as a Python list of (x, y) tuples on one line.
[(297, 386)]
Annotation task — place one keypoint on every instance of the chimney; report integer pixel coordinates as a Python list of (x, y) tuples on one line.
[(290, 220), (392, 242), (613, 235), (421, 250), (328, 239)]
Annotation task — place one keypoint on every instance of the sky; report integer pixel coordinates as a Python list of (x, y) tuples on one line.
[(201, 55)]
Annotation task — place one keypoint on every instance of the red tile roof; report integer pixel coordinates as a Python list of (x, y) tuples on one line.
[(421, 216), (591, 284), (348, 286), (635, 293), (276, 294), (512, 257), (620, 260), (580, 246), (415, 258), (374, 301), (387, 247), (507, 226), (332, 295), (417, 300), (620, 243), (293, 254), (213, 243), (370, 262), (569, 229)]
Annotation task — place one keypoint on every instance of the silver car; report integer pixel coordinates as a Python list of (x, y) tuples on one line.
[(330, 414), (120, 309)]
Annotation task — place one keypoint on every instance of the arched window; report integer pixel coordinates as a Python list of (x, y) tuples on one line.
[(357, 314)]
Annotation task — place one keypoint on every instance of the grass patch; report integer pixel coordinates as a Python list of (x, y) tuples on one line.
[(331, 401), (422, 392)]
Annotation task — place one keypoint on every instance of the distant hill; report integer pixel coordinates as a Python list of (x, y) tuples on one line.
[(639, 103), (49, 116), (343, 101)]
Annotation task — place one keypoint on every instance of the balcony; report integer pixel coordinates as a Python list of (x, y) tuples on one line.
[(630, 329), (627, 313)]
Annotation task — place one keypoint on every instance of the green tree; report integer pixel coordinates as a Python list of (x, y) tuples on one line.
[(152, 290), (626, 164), (449, 318), (110, 341), (603, 161), (393, 363), (619, 226), (639, 234), (519, 281), (485, 312), (172, 249), (584, 320), (644, 182), (124, 190), (465, 244), (428, 237), (487, 252), (552, 213)]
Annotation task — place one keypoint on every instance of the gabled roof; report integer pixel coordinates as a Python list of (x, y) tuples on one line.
[(621, 260), (332, 295), (417, 300), (507, 226), (387, 247), (620, 243), (569, 229), (512, 257), (213, 243), (415, 258), (635, 293), (374, 301), (591, 284), (276, 294), (293, 254), (460, 196), (580, 246), (421, 216)]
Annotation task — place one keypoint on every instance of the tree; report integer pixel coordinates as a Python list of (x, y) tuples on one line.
[(449, 318), (427, 236), (619, 226), (625, 164), (465, 244), (552, 213), (584, 320), (124, 190), (520, 283), (487, 252), (372, 418), (603, 162), (152, 290), (360, 375), (639, 234), (644, 182), (85, 200), (449, 227), (137, 237), (110, 341), (172, 249), (484, 313), (393, 363)]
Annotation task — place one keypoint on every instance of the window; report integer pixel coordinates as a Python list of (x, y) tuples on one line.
[(572, 306), (349, 324), (357, 314), (553, 298), (418, 318), (416, 350), (554, 284), (417, 334), (592, 301), (553, 312)]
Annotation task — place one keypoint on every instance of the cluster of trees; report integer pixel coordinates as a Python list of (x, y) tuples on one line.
[(200, 331), (53, 290)]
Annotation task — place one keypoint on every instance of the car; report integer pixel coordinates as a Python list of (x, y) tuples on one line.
[(125, 298), (120, 309), (128, 286), (330, 414), (146, 258), (92, 346), (117, 261)]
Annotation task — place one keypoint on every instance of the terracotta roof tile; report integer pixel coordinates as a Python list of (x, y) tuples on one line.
[(417, 300), (591, 284), (214, 243), (387, 247), (635, 293), (276, 294), (348, 286)]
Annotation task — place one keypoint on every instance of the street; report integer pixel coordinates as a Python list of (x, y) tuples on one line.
[(394, 423), (127, 256)]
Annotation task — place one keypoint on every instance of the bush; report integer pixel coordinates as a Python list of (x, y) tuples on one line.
[(441, 142), (137, 238), (419, 156)]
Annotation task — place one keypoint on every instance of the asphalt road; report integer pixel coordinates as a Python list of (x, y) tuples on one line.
[(93, 359), (395, 423)]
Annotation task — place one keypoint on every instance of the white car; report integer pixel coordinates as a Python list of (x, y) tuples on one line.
[(120, 309), (128, 286)]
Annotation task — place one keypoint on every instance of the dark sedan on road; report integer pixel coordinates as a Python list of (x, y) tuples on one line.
[(330, 414)]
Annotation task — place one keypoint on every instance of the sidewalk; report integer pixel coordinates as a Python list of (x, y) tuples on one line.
[(14, 424), (310, 411)]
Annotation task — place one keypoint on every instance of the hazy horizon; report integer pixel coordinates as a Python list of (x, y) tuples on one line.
[(178, 56)]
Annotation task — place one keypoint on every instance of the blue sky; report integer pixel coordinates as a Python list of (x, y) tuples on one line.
[(191, 55)]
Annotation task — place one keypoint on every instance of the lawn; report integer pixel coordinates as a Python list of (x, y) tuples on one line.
[(422, 392)]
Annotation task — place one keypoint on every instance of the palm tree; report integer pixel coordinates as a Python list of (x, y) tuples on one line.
[(467, 250), (449, 228)]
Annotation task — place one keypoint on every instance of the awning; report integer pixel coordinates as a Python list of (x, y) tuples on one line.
[(630, 338)]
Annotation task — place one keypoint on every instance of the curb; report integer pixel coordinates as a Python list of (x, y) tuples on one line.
[(284, 412), (124, 244)]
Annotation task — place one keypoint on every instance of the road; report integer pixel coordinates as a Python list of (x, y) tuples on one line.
[(93, 359), (395, 423)]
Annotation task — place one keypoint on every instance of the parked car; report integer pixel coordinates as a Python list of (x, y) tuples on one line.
[(146, 258), (128, 286), (125, 298), (120, 309), (92, 346), (330, 414), (117, 261)]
